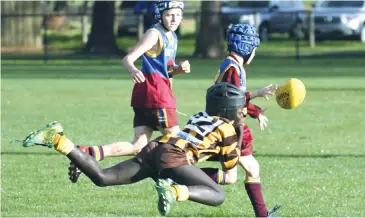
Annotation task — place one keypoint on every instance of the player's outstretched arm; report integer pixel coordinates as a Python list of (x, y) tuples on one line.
[(264, 92)]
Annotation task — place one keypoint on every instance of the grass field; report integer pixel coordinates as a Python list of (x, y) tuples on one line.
[(312, 159)]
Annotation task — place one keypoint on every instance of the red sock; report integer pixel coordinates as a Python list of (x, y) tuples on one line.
[(254, 192), (83, 148), (95, 151)]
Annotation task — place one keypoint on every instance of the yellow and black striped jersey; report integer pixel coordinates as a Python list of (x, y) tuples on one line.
[(205, 136)]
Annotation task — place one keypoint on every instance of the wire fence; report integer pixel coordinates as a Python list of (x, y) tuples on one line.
[(69, 31)]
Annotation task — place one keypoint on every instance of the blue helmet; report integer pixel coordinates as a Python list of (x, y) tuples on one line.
[(161, 6), (242, 39)]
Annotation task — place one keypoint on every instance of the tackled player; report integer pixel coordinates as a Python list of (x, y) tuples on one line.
[(208, 133)]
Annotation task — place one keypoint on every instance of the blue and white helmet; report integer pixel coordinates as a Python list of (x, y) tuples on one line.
[(161, 6), (242, 39)]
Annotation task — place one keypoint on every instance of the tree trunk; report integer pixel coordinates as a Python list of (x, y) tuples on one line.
[(21, 32), (60, 6), (209, 41), (102, 38)]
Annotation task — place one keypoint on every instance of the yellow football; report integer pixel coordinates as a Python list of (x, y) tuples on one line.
[(291, 94)]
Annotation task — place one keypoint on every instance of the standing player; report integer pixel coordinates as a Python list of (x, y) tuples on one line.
[(153, 101), (208, 133), (242, 40)]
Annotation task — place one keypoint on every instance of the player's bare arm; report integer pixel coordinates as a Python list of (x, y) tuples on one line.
[(264, 92), (182, 68), (147, 43)]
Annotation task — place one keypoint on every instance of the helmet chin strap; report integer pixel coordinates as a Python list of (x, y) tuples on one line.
[(248, 57)]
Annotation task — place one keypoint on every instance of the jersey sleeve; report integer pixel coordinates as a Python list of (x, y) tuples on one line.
[(253, 110), (229, 150)]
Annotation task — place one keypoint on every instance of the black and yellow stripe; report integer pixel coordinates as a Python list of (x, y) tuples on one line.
[(212, 136)]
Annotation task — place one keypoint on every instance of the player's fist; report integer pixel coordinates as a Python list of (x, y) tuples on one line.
[(184, 67)]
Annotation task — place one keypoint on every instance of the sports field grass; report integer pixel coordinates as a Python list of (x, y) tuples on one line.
[(312, 159)]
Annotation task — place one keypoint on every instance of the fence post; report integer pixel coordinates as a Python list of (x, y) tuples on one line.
[(197, 22), (297, 36), (312, 36), (256, 20), (45, 39), (140, 27), (84, 23)]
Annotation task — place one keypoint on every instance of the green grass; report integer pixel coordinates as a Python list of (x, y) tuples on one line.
[(312, 158)]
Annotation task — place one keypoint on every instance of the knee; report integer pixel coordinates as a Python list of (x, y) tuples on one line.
[(231, 179), (250, 165), (219, 198), (254, 172), (146, 149), (137, 149), (172, 130), (99, 181), (231, 176), (139, 144)]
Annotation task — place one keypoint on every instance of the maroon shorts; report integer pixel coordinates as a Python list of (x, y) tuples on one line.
[(154, 118), (157, 156)]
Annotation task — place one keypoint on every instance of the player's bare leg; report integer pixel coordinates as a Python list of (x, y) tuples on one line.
[(142, 135), (171, 130), (253, 186)]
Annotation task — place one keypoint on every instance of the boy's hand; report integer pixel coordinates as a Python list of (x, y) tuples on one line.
[(183, 67), (137, 76), (266, 91), (262, 120)]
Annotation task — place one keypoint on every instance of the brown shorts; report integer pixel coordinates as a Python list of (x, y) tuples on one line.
[(160, 156), (154, 118)]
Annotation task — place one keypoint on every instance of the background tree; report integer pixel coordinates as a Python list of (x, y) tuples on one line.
[(102, 37), (21, 31), (60, 6), (209, 41), (56, 20)]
